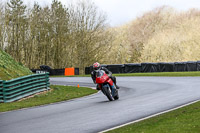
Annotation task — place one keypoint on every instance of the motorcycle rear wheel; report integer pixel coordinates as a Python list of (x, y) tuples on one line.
[(117, 96)]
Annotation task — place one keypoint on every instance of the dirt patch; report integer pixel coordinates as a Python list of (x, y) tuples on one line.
[(39, 93)]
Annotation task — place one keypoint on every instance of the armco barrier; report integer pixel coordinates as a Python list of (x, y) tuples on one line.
[(1, 90), (21, 87)]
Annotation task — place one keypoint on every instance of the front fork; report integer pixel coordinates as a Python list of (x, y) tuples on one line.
[(114, 90)]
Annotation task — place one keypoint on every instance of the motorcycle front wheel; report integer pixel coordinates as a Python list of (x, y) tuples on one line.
[(106, 90)]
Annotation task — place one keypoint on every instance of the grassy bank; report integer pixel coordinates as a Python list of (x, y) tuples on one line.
[(10, 69), (183, 120), (57, 94)]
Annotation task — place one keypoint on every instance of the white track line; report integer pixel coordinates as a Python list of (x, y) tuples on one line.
[(148, 117)]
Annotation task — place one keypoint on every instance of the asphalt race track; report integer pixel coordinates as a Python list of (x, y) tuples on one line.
[(139, 98)]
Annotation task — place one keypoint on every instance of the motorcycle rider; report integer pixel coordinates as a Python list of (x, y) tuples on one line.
[(97, 66)]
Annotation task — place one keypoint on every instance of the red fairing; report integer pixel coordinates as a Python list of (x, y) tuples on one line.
[(110, 81), (103, 79)]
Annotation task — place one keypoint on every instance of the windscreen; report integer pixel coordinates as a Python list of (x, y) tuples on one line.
[(99, 73)]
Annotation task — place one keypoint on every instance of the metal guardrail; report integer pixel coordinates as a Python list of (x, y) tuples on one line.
[(1, 90), (15, 89)]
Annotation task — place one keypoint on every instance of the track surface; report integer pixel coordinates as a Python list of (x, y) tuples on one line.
[(139, 97)]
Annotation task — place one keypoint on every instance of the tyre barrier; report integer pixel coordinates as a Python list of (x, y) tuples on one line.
[(151, 67), (54, 71)]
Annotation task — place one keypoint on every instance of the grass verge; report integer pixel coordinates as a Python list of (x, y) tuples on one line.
[(183, 120), (167, 74), (58, 93)]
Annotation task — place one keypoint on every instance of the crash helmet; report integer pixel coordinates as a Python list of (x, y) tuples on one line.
[(96, 66)]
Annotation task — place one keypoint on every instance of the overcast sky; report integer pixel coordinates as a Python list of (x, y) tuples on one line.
[(122, 11)]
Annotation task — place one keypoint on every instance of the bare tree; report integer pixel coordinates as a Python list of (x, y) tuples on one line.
[(15, 20), (88, 33), (75, 36), (2, 27), (59, 20), (143, 28)]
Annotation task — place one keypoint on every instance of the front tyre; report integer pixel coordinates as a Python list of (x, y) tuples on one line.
[(106, 90)]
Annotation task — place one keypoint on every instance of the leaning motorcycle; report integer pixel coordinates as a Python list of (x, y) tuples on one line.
[(106, 85)]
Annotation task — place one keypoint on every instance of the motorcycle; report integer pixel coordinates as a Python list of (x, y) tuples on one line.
[(106, 85)]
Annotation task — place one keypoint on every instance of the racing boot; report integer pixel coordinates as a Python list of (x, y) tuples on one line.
[(114, 80)]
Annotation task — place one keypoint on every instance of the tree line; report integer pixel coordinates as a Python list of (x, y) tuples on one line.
[(160, 35), (59, 36), (77, 35)]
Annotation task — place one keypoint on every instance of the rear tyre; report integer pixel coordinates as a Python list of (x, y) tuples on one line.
[(117, 95)]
